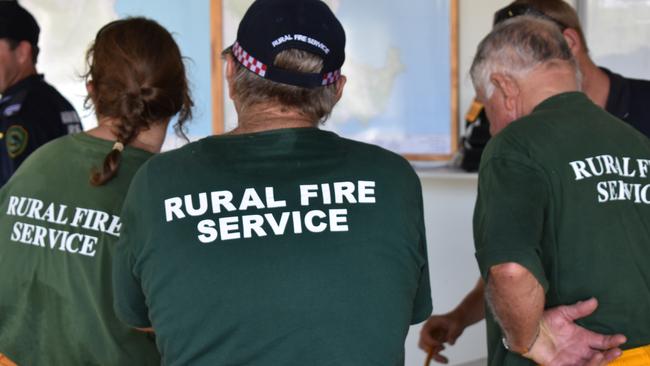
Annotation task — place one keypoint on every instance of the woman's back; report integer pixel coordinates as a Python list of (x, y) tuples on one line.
[(57, 236)]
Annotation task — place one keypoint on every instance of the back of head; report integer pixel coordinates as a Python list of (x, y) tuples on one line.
[(137, 78), (557, 10), (517, 46), (289, 53)]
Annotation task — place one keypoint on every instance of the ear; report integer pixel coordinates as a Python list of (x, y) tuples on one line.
[(231, 68), (24, 53), (90, 89), (574, 41), (340, 85), (509, 87)]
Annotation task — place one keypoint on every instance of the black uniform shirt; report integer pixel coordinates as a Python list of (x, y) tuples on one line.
[(629, 100), (32, 113)]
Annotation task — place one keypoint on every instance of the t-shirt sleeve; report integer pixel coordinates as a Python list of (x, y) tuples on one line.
[(128, 298), (422, 306), (509, 216)]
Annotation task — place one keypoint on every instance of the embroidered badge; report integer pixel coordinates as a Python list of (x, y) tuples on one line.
[(16, 140)]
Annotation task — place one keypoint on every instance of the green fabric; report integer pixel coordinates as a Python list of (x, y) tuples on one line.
[(56, 300), (544, 202), (343, 294)]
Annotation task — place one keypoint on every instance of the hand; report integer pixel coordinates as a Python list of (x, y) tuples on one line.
[(561, 342), (440, 329)]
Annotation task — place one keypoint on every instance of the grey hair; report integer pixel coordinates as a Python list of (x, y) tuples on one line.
[(315, 103), (517, 46)]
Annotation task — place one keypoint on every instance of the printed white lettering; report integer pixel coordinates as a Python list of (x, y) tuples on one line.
[(580, 170), (203, 205), (173, 208), (229, 228), (252, 223), (366, 192), (208, 231), (13, 203), (250, 199), (344, 189), (270, 199), (278, 228), (338, 220), (306, 192), (222, 199)]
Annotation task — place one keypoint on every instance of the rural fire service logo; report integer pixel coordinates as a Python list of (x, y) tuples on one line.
[(16, 140)]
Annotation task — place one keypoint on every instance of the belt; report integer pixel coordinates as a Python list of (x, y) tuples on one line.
[(633, 357)]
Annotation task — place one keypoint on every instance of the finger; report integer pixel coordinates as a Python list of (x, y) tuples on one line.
[(580, 309), (440, 358), (612, 354), (604, 342), (597, 360), (427, 342), (453, 336)]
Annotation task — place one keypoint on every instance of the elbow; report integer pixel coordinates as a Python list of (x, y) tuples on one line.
[(508, 272)]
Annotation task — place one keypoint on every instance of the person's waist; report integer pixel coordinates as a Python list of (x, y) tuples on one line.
[(639, 356)]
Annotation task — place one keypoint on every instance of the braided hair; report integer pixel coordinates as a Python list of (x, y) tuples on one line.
[(138, 79)]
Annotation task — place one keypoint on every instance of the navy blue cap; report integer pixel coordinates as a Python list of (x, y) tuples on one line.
[(17, 23), (272, 26)]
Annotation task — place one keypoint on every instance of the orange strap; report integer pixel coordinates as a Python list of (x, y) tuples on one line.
[(5, 361), (633, 357)]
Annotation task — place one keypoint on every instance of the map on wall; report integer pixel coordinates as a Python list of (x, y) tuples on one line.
[(398, 93), (398, 63), (69, 26)]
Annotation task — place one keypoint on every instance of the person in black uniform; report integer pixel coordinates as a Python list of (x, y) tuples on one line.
[(32, 112)]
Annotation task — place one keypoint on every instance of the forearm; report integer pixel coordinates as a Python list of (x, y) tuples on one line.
[(472, 308), (517, 300)]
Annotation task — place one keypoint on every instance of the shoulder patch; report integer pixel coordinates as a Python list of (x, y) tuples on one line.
[(11, 110), (16, 139)]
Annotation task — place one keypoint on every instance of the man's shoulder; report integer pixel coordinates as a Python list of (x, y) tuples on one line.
[(41, 93)]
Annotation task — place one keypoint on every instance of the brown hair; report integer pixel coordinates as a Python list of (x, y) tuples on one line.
[(560, 11), (315, 103), (138, 78)]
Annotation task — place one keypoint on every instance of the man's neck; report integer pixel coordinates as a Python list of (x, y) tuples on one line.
[(545, 83), (595, 82), (270, 117), (22, 75)]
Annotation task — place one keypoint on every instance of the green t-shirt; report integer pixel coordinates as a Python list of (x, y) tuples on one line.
[(565, 192), (285, 247), (57, 237)]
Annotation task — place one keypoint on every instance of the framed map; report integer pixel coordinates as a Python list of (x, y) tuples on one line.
[(402, 70)]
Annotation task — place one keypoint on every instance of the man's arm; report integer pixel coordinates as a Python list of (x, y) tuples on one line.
[(446, 328), (548, 337)]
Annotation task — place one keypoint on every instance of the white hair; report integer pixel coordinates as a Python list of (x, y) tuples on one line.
[(517, 46)]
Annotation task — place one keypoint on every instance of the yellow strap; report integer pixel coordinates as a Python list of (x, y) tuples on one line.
[(634, 357), (5, 361)]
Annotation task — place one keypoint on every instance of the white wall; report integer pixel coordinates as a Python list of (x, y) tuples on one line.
[(449, 202)]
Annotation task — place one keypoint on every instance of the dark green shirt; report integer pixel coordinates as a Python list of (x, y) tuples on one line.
[(57, 237), (286, 247), (565, 192)]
